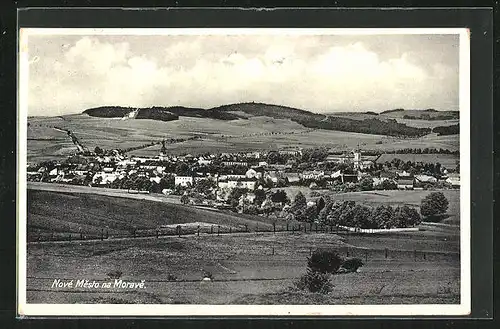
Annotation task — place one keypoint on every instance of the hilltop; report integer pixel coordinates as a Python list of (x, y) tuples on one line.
[(242, 111)]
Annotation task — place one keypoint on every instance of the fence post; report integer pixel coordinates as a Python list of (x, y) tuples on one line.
[(211, 229), (424, 255), (81, 236), (274, 228), (415, 255), (107, 233), (102, 234), (273, 251), (70, 237), (230, 229), (198, 230), (293, 228), (218, 230), (246, 228), (179, 228), (287, 226), (386, 252), (366, 255), (316, 224), (157, 233), (347, 252)]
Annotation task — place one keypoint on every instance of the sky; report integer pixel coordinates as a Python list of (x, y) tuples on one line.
[(318, 73)]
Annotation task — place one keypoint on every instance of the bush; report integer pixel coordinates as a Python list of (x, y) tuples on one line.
[(352, 264), (324, 261), (314, 281)]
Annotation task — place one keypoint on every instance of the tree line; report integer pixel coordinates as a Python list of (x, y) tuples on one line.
[(348, 213), (367, 126)]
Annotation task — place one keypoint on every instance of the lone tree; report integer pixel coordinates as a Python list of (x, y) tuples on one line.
[(434, 205)]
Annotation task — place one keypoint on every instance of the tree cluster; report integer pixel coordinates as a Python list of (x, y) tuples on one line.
[(447, 130), (348, 213)]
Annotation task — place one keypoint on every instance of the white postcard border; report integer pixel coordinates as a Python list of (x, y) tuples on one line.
[(25, 309)]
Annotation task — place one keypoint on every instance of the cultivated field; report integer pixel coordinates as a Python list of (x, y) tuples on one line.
[(257, 133), (255, 267)]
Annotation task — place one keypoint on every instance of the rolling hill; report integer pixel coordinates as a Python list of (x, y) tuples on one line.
[(372, 125)]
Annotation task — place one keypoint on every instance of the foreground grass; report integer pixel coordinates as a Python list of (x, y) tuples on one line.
[(247, 268), (250, 267), (90, 213)]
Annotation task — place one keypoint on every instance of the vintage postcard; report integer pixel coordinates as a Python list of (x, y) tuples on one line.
[(184, 172)]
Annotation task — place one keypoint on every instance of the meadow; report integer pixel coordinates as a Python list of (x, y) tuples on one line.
[(248, 268), (251, 268), (119, 215)]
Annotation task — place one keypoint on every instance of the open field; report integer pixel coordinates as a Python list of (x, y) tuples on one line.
[(446, 160), (245, 267), (257, 133), (421, 267)]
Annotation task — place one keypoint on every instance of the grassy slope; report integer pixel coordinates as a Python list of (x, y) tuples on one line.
[(92, 212)]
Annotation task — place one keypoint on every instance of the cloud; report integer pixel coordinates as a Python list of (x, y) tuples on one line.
[(206, 72)]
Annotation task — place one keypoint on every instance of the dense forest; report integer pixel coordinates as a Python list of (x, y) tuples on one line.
[(368, 126), (447, 130)]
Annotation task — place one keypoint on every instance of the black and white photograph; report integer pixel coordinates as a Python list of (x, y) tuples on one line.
[(250, 171)]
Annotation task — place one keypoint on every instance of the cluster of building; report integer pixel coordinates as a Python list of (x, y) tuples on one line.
[(246, 170)]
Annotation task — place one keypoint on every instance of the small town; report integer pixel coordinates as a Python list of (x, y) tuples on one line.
[(244, 182)]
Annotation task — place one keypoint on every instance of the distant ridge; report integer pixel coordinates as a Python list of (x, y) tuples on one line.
[(392, 111), (371, 125)]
